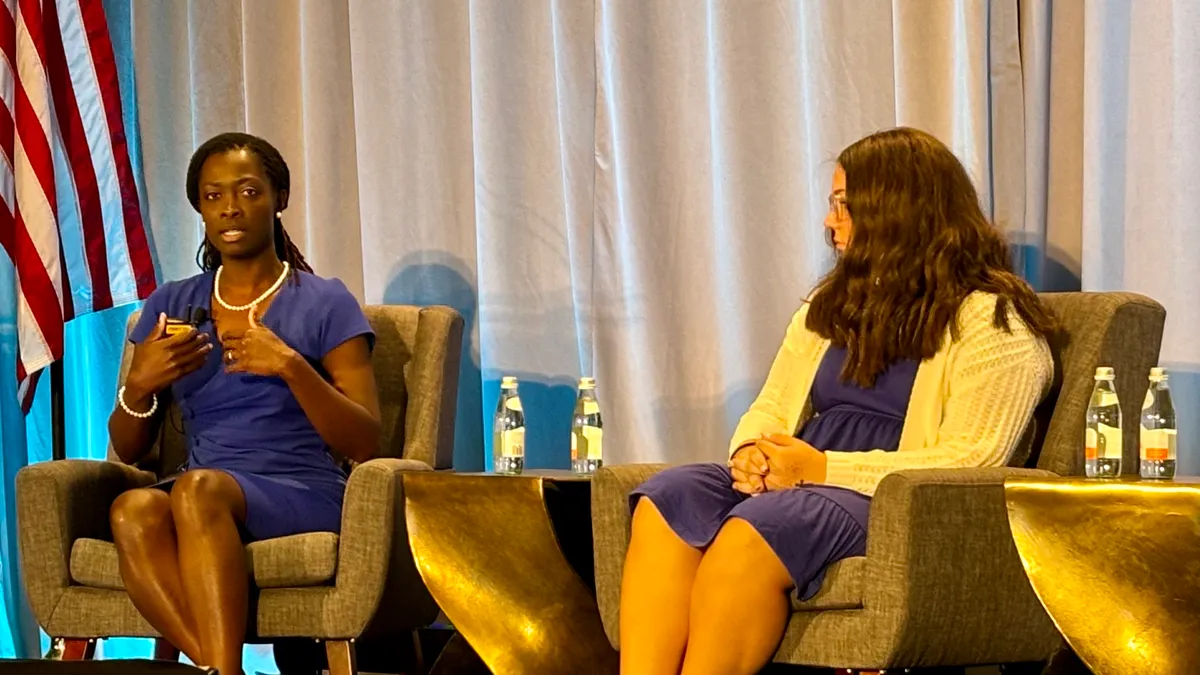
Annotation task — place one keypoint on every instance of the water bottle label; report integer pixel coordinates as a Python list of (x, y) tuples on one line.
[(587, 443), (512, 443), (1103, 443), (1158, 444), (1110, 441), (513, 403), (591, 407)]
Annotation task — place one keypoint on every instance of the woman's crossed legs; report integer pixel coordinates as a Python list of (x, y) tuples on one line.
[(183, 563)]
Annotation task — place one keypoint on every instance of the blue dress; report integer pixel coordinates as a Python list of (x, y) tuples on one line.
[(809, 527), (251, 426)]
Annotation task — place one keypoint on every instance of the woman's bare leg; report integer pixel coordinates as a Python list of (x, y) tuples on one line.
[(148, 554), (208, 506), (656, 587), (739, 605)]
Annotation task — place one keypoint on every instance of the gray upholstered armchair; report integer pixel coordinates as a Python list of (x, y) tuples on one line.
[(941, 583), (333, 588)]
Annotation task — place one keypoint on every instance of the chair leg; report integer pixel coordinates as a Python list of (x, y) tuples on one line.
[(900, 671), (72, 649), (164, 650), (341, 656), (418, 653)]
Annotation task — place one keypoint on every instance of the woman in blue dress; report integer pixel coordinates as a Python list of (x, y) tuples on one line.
[(919, 350), (277, 378)]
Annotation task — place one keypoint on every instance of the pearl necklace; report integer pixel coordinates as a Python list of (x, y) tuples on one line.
[(266, 294)]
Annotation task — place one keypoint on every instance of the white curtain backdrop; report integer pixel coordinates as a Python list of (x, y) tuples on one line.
[(619, 188), (633, 189), (1141, 159)]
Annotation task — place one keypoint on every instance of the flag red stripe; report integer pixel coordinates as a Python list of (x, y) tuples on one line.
[(35, 143), (35, 283), (79, 155), (8, 37), (105, 63), (31, 12), (8, 228), (68, 302), (7, 137)]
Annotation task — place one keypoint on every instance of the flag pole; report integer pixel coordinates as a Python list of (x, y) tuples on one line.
[(57, 413)]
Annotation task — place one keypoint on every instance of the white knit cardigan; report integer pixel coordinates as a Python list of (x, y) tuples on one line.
[(969, 406)]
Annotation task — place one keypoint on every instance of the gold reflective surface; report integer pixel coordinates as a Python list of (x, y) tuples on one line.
[(1115, 563), (486, 549)]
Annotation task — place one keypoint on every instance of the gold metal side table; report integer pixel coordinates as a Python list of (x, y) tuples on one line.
[(509, 561), (1116, 564)]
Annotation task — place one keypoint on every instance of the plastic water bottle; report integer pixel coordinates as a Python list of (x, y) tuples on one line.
[(1158, 429), (1102, 458), (587, 431), (508, 430)]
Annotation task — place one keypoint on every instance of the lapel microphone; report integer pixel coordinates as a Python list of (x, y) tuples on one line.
[(195, 318), (199, 317)]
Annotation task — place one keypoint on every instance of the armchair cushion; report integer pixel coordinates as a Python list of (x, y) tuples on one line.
[(57, 504), (94, 563), (290, 562), (286, 562), (842, 588)]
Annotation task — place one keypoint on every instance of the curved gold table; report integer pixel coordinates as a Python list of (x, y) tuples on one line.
[(486, 547), (1116, 564)]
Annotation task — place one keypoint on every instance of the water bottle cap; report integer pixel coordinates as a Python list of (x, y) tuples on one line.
[(1105, 373), (508, 382), (587, 383), (1158, 374)]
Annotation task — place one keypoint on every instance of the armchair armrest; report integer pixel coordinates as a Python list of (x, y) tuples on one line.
[(610, 533), (433, 388), (57, 503), (374, 559), (942, 563)]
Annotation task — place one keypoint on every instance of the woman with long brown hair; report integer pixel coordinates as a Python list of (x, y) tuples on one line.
[(920, 349)]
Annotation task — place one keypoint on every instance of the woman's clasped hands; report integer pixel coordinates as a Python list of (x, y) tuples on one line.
[(776, 462)]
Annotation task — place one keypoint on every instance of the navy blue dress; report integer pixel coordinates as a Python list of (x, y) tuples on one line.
[(808, 527), (251, 426)]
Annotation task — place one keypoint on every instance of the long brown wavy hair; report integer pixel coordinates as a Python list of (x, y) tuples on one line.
[(920, 245)]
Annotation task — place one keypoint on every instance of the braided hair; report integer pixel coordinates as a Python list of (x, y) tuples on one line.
[(208, 257)]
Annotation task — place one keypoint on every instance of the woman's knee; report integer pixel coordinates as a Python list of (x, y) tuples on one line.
[(205, 493), (738, 556), (140, 514), (646, 516), (649, 524)]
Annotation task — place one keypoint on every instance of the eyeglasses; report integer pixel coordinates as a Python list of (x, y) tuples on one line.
[(837, 205)]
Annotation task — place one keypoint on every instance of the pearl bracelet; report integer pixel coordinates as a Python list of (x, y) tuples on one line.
[(126, 408)]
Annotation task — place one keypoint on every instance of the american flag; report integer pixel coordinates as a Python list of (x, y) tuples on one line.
[(70, 220)]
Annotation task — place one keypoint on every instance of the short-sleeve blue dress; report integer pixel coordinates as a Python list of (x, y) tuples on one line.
[(809, 527), (251, 426)]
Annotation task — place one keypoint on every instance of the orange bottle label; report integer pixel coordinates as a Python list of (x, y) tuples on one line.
[(1156, 453)]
